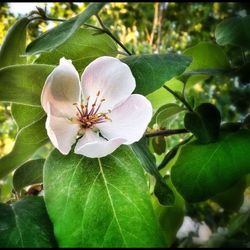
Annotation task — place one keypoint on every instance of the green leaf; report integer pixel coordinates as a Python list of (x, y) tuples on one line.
[(234, 31), (101, 202), (237, 192), (24, 115), (170, 217), (25, 224), (204, 122), (207, 55), (60, 34), (161, 190), (159, 144), (82, 48), (202, 171), (23, 83), (160, 97), (14, 44), (152, 71), (28, 140), (29, 173)]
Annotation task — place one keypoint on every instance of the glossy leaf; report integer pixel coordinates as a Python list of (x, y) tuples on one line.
[(152, 71), (25, 224), (204, 122), (82, 48), (14, 44), (61, 33), (24, 115), (202, 171), (29, 173), (23, 83), (101, 202), (28, 140), (234, 31)]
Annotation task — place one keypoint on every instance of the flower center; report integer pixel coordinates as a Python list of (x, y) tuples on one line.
[(87, 117)]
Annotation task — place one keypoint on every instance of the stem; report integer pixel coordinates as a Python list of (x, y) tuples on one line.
[(180, 98), (47, 19), (108, 32), (167, 132)]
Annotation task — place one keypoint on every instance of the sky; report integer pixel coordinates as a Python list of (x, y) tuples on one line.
[(25, 8)]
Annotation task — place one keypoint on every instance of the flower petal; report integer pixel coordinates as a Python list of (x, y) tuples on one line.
[(61, 132), (93, 146), (129, 120), (111, 77), (61, 90)]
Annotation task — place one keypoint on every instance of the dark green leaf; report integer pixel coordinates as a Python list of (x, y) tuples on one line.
[(101, 202), (236, 192), (82, 48), (58, 35), (25, 224), (24, 115), (23, 83), (204, 122), (234, 31), (14, 44), (152, 71), (162, 191), (28, 140), (159, 144), (202, 171), (29, 173)]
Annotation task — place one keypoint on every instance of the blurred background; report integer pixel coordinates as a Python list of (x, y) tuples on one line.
[(157, 28)]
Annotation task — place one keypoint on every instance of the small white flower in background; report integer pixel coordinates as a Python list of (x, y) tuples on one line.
[(100, 107), (189, 226)]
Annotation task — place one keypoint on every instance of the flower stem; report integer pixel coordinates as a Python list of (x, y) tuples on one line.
[(108, 32), (180, 98), (167, 132)]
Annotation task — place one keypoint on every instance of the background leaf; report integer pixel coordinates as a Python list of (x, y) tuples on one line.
[(25, 224), (23, 83), (202, 171), (152, 71), (82, 48), (29, 173), (14, 44), (28, 140), (101, 203), (234, 31), (61, 33)]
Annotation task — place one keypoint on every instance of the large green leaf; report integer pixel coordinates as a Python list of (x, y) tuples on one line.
[(202, 171), (152, 71), (24, 115), (14, 44), (100, 202), (28, 140), (26, 224), (234, 31), (58, 35), (29, 173), (23, 83), (82, 47)]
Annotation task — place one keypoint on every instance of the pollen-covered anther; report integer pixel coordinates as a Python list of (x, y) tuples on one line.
[(87, 119)]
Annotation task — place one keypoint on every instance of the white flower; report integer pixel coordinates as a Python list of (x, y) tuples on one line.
[(101, 107)]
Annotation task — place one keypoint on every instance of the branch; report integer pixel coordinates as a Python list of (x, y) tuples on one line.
[(167, 132)]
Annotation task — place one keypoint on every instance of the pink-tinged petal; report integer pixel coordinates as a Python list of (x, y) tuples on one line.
[(129, 120), (62, 90), (112, 78), (61, 132), (94, 146)]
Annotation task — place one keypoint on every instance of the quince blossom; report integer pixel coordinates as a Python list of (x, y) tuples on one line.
[(99, 111)]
